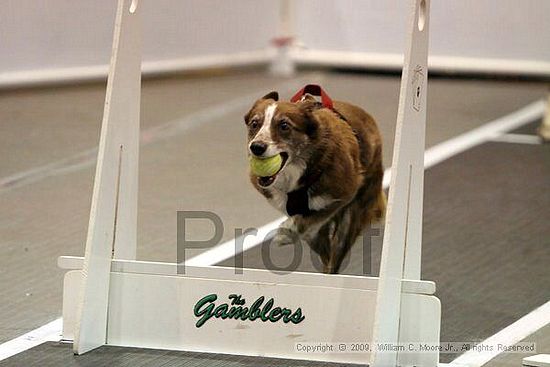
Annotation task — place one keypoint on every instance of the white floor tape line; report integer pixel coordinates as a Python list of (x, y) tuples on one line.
[(518, 139), (510, 335), (433, 156), (539, 360), (484, 133), (49, 332)]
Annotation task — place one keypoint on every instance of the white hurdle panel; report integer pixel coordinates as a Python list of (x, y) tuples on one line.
[(109, 298)]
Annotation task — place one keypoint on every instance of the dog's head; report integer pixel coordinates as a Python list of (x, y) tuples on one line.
[(285, 128)]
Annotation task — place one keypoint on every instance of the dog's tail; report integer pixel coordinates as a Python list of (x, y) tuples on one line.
[(380, 206)]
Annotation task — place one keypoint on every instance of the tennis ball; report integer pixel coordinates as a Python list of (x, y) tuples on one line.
[(265, 167)]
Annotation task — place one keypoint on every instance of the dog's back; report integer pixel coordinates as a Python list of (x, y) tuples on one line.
[(369, 202), (367, 133)]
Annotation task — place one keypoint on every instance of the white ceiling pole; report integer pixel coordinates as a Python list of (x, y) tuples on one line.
[(282, 63), (401, 251), (113, 216)]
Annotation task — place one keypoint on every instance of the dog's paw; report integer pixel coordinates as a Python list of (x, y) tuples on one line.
[(284, 237), (286, 234)]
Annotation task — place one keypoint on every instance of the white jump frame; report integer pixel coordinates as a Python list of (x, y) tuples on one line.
[(110, 298)]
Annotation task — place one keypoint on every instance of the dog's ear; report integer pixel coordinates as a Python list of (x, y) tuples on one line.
[(272, 95), (311, 124), (247, 117)]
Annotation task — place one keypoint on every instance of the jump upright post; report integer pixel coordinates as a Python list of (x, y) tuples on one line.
[(402, 247)]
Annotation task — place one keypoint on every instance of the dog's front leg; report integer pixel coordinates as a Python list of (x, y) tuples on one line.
[(314, 229), (299, 227), (286, 234), (309, 225)]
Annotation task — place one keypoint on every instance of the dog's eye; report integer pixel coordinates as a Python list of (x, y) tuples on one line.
[(254, 123), (284, 126)]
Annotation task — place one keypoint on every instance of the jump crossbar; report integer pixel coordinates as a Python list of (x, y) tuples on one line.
[(250, 275)]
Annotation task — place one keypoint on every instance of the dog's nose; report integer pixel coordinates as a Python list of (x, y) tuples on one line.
[(258, 148)]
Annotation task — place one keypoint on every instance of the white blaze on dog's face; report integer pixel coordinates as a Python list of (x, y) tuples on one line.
[(262, 145), (280, 128)]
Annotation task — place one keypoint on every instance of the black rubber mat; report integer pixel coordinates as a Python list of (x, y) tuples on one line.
[(61, 355)]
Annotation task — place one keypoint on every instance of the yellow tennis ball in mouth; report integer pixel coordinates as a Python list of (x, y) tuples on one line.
[(267, 166)]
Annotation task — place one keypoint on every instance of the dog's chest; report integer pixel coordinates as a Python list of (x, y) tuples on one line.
[(292, 203), (278, 199), (285, 183), (287, 197), (298, 202)]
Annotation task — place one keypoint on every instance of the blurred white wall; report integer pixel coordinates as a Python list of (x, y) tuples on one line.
[(56, 39), (480, 35), (48, 39)]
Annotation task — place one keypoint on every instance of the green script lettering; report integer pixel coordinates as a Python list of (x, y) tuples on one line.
[(206, 308), (207, 312)]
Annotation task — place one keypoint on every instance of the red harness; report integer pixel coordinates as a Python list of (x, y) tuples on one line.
[(314, 90)]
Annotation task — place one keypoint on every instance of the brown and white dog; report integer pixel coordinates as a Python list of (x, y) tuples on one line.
[(330, 183)]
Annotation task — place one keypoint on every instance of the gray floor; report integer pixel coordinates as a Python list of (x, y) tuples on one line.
[(59, 354), (193, 157)]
